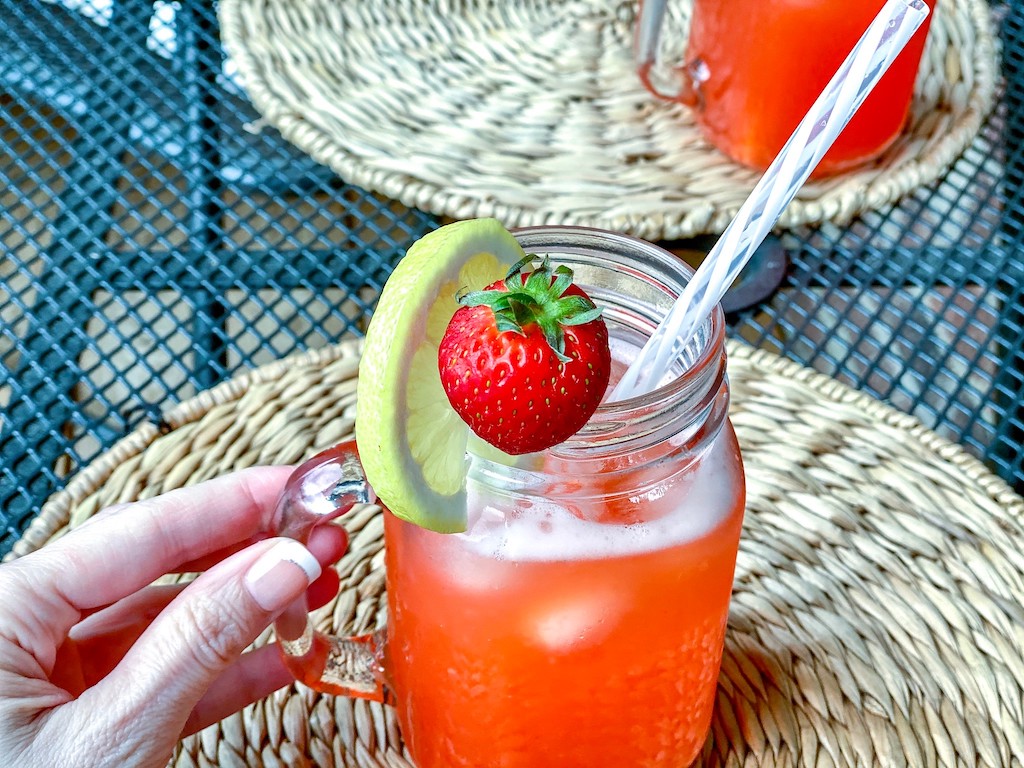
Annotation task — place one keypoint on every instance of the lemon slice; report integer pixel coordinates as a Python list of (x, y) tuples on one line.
[(411, 442)]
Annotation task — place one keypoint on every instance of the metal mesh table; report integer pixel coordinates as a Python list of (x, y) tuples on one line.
[(158, 239)]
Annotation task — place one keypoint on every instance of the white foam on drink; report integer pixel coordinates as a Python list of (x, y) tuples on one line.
[(690, 508), (547, 531)]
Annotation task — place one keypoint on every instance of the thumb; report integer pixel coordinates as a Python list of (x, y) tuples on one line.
[(202, 632)]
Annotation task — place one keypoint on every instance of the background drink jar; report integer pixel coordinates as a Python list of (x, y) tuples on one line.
[(753, 68)]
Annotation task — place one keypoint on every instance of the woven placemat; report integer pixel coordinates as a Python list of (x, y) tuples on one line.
[(530, 111), (877, 618)]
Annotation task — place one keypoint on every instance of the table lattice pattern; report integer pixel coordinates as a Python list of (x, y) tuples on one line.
[(158, 239)]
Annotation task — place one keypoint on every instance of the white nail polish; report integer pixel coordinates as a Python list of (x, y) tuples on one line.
[(289, 551), (271, 580)]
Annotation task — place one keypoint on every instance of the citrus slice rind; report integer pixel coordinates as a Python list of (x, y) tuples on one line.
[(411, 442)]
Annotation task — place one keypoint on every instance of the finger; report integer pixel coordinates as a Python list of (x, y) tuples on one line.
[(207, 561), (256, 675), (129, 616), (202, 633), (135, 610), (96, 646), (323, 590), (327, 542), (98, 564)]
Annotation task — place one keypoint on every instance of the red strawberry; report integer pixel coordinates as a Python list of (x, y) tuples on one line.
[(526, 366)]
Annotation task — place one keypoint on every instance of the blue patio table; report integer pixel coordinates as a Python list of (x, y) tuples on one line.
[(156, 240)]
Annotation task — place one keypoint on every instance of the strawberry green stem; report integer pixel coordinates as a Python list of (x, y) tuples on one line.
[(536, 297)]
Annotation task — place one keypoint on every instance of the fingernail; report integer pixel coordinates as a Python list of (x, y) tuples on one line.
[(280, 574)]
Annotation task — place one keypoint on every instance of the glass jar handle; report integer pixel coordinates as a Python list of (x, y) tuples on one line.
[(675, 83), (322, 489)]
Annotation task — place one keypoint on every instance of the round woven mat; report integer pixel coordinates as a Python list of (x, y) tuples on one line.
[(877, 617), (530, 111)]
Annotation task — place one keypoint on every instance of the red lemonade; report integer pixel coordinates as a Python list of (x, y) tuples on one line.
[(753, 69), (527, 649)]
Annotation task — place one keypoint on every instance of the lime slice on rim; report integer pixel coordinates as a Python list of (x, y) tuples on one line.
[(411, 442)]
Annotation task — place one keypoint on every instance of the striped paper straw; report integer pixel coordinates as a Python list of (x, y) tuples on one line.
[(842, 97)]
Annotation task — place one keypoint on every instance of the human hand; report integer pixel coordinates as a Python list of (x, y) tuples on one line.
[(100, 667)]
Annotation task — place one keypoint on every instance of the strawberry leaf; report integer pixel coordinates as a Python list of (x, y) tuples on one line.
[(583, 318), (504, 322), (517, 268), (519, 296), (536, 297), (538, 282), (555, 338), (563, 279), (567, 306), (478, 298)]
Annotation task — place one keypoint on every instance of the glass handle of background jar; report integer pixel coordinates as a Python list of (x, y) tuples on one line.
[(322, 489), (668, 81)]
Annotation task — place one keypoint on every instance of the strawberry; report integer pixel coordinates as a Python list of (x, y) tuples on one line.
[(526, 361)]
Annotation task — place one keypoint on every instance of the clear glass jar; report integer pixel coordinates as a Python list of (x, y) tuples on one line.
[(580, 619)]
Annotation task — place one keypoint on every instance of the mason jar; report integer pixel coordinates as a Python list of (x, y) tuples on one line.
[(580, 619)]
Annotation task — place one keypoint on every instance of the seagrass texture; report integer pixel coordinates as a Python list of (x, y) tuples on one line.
[(530, 111), (876, 619)]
